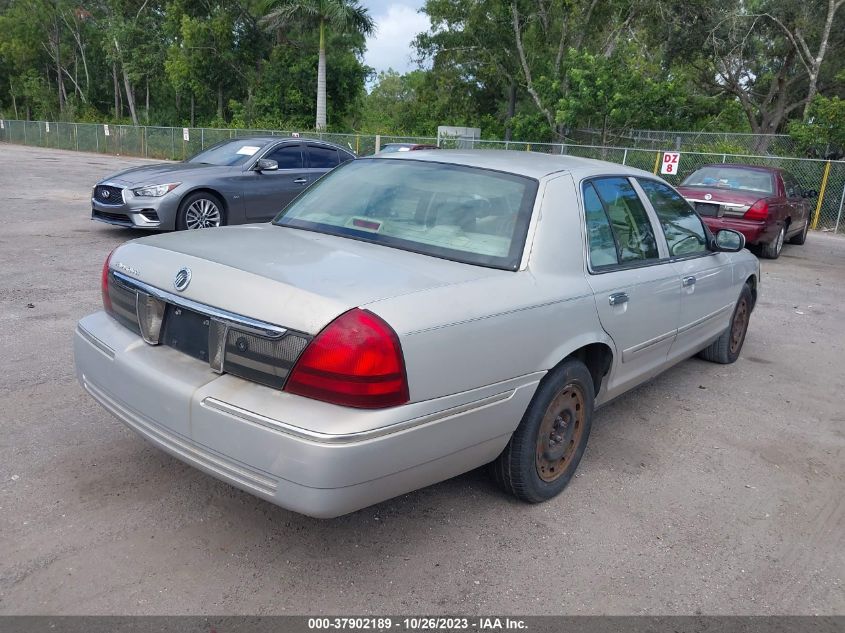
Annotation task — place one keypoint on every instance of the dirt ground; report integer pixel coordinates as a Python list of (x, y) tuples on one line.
[(713, 489)]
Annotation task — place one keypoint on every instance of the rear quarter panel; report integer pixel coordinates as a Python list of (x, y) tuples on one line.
[(510, 324)]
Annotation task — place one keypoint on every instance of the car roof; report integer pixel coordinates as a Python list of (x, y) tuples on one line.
[(289, 139), (530, 164), (743, 166)]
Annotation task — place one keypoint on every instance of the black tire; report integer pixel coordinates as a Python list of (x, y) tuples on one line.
[(726, 349), (562, 412), (201, 209), (802, 236), (773, 249)]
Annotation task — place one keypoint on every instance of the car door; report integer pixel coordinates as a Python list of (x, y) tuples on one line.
[(799, 209), (636, 287), (707, 299), (268, 192)]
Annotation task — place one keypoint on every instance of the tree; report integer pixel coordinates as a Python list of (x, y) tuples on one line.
[(340, 16)]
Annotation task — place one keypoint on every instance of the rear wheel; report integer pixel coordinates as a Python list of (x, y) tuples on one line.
[(772, 249), (802, 236), (725, 349), (548, 444), (200, 210)]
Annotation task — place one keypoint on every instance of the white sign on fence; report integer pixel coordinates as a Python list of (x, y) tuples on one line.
[(295, 134), (106, 129), (671, 160), (47, 125), (2, 125), (186, 134)]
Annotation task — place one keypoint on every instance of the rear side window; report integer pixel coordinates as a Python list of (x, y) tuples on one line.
[(288, 156), (321, 157), (683, 229), (599, 234), (345, 156), (629, 221)]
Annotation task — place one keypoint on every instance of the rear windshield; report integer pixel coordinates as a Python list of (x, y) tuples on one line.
[(735, 178), (229, 153), (465, 214)]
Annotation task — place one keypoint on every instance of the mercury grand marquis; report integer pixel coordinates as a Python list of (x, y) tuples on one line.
[(409, 317)]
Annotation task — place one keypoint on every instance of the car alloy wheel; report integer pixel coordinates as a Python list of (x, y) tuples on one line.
[(202, 214), (779, 242), (560, 432)]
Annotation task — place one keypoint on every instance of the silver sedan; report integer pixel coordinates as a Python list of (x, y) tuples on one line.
[(411, 317), (233, 182)]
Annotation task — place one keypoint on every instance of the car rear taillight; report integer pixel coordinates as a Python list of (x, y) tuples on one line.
[(104, 284), (758, 211), (356, 361)]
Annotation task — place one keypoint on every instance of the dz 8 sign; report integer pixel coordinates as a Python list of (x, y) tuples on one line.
[(671, 160)]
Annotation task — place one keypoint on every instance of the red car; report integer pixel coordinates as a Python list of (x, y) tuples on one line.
[(765, 204)]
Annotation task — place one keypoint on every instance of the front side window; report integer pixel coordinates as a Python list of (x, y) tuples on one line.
[(628, 218), (287, 156), (684, 231), (466, 214)]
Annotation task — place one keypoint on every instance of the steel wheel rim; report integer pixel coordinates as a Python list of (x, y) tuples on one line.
[(779, 244), (560, 433), (202, 214), (739, 325)]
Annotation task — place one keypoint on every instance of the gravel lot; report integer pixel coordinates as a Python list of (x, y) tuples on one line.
[(713, 489)]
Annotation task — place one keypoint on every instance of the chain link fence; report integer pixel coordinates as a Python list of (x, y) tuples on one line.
[(826, 177), (716, 142)]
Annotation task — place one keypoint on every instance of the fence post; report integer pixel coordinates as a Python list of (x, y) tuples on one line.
[(358, 144), (202, 138), (724, 158), (378, 143), (172, 143), (625, 156), (839, 215), (528, 147), (656, 163), (821, 196), (76, 134)]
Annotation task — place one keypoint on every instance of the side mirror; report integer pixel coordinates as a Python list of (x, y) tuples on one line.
[(728, 241), (810, 193), (265, 164)]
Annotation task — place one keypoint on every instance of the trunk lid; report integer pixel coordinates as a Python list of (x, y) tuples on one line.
[(289, 277)]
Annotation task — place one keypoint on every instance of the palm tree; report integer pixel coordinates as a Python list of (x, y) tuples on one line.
[(341, 16)]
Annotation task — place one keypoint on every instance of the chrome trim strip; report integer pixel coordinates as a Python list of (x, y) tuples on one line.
[(259, 327), (94, 341), (348, 438), (626, 354), (698, 322)]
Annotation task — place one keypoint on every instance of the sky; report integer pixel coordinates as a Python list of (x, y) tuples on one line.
[(397, 22)]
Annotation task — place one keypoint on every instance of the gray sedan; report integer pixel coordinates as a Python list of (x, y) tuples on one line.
[(236, 181), (410, 317)]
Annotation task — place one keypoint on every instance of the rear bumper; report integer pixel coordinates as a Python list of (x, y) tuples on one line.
[(310, 457), (136, 212), (755, 232)]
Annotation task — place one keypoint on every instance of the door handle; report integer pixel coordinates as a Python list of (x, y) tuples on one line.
[(301, 181), (618, 298), (688, 281)]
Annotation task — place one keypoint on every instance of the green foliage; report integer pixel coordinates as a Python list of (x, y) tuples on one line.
[(823, 134)]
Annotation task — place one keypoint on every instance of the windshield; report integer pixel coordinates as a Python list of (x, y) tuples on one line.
[(229, 152), (735, 178), (465, 214)]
